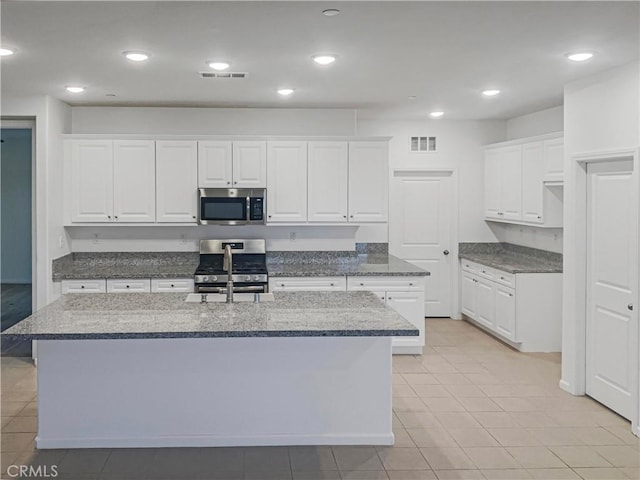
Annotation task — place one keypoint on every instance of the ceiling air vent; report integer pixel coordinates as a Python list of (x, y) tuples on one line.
[(223, 74), (422, 144)]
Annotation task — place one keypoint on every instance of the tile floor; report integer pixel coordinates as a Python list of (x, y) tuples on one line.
[(469, 408)]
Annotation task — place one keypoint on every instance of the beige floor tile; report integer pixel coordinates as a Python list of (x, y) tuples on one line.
[(506, 474), (471, 367), (409, 404), (402, 438), (456, 420), (21, 425), (357, 458), (498, 390), (364, 475), (451, 378), (586, 457), (418, 419), (533, 419), (573, 419), (412, 475), (31, 410), (17, 442), (620, 455), (447, 458), (482, 378), (459, 474), (631, 472), (10, 409), (536, 457), (420, 379), (443, 404), (312, 459), (553, 474), (432, 437), (600, 473), (491, 458), (462, 391), (624, 433), (515, 404), (398, 379), (440, 367), (513, 437), (479, 404), (556, 436), (394, 458), (473, 437), (495, 419), (403, 391), (427, 391), (596, 436)]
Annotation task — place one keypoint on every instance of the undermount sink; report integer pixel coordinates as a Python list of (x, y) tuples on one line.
[(222, 297)]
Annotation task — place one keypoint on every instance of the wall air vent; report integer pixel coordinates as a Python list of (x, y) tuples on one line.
[(223, 74), (422, 144)]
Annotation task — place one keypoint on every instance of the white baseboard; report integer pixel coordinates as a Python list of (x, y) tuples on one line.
[(566, 386)]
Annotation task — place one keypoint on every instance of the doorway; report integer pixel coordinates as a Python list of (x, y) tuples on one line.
[(16, 270), (423, 231)]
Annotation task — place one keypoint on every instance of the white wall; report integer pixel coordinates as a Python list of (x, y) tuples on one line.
[(601, 113), (459, 146), (52, 118), (537, 123), (16, 205)]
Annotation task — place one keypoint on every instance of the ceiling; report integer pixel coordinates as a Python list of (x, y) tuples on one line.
[(444, 53)]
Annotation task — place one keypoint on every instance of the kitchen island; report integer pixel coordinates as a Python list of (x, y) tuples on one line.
[(150, 370)]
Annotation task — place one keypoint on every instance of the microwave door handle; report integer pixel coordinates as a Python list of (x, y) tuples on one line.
[(248, 209)]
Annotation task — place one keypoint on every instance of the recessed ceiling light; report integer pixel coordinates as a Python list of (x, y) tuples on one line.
[(436, 114), (490, 93), (580, 57), (219, 66), (109, 94), (75, 89), (331, 12), (324, 59), (7, 51), (286, 91), (136, 56), (412, 97)]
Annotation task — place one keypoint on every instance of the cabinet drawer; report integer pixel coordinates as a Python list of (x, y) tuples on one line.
[(316, 284), (504, 278), (469, 266), (137, 285), (83, 286), (161, 285), (386, 284)]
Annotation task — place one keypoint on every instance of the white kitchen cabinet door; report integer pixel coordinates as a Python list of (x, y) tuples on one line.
[(134, 181), (532, 186), (176, 181), (287, 182), (328, 181), (492, 183), (505, 313), (215, 164), (368, 182), (411, 306), (91, 181), (511, 196), (485, 303), (554, 160), (468, 294), (249, 164)]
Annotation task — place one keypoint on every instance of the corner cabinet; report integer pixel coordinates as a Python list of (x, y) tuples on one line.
[(523, 182)]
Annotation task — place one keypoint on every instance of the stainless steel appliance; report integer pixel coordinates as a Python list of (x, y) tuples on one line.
[(247, 261), (231, 206)]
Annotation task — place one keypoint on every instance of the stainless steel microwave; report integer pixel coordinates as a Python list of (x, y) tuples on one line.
[(231, 206)]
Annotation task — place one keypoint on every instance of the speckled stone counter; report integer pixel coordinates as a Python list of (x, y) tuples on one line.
[(351, 265), (167, 315), (81, 265), (512, 258)]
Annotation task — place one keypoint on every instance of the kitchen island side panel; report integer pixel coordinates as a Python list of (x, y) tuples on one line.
[(194, 392)]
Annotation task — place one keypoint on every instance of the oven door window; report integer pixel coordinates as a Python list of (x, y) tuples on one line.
[(221, 209)]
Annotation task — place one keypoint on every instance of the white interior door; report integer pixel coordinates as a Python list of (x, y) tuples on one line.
[(612, 279), (420, 231)]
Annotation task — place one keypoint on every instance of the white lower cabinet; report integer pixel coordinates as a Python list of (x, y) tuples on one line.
[(406, 296), (168, 285), (125, 285), (307, 284), (525, 309), (83, 286)]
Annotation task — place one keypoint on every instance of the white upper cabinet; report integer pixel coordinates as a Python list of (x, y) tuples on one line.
[(492, 184), (328, 181), (287, 181), (532, 188), (249, 164), (134, 185), (91, 181), (176, 181), (511, 197), (554, 160), (215, 164), (368, 182)]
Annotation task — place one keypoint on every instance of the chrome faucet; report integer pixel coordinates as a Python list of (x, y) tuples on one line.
[(227, 265)]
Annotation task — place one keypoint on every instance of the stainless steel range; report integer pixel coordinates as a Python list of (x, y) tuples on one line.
[(248, 266)]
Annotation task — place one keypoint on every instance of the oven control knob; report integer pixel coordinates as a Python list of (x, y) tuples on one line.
[(213, 278), (205, 279), (256, 278), (247, 278)]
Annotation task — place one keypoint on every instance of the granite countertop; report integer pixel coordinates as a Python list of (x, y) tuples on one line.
[(360, 265), (167, 315), (512, 258)]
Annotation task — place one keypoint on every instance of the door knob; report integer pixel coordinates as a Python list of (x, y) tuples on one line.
[(446, 252), (630, 306)]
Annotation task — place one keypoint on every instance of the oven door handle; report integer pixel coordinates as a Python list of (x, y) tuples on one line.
[(250, 288)]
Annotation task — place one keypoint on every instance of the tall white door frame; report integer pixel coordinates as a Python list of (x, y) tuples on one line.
[(577, 329), (453, 255)]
